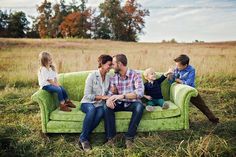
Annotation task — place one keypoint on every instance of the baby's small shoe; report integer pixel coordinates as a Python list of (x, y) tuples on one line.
[(165, 106), (150, 108)]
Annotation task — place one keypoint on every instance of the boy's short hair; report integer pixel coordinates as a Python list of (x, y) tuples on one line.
[(183, 59), (147, 71)]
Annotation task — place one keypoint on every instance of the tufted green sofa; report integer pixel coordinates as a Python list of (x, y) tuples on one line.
[(56, 121)]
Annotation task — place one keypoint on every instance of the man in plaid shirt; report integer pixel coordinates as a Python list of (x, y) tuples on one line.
[(129, 89)]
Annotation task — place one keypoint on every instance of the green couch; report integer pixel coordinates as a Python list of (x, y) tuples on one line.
[(56, 121)]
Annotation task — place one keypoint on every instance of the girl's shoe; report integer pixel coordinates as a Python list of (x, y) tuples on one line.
[(150, 108), (64, 107), (70, 104), (165, 106)]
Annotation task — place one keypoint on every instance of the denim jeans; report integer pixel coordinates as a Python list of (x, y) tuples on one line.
[(61, 93), (109, 116), (92, 119)]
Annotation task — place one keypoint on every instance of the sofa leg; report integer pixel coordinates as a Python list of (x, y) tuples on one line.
[(44, 136)]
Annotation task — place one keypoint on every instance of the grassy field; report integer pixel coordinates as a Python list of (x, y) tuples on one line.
[(20, 123)]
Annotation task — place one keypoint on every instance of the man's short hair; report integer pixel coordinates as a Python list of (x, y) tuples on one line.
[(183, 59), (121, 58)]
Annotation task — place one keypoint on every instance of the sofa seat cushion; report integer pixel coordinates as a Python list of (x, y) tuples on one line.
[(159, 113), (77, 115)]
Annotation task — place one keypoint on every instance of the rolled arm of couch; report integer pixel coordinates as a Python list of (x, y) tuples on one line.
[(47, 104), (180, 94)]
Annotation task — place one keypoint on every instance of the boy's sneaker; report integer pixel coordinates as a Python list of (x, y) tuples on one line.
[(215, 120), (150, 108), (165, 106)]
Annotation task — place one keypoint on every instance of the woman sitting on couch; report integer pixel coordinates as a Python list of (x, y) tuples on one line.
[(95, 92)]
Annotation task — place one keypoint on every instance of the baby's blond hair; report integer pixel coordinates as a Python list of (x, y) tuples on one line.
[(148, 71)]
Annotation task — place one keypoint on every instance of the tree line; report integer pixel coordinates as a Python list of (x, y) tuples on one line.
[(111, 20)]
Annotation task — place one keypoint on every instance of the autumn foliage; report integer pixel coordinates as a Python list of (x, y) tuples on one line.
[(74, 19)]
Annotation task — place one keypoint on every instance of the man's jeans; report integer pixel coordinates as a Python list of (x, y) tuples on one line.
[(92, 118), (109, 116)]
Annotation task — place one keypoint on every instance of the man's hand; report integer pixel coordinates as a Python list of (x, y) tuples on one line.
[(111, 100), (110, 103), (179, 81), (116, 97)]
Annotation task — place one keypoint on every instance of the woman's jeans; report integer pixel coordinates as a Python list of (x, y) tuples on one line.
[(92, 119)]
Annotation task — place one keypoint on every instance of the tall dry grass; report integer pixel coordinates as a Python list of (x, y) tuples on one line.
[(19, 57)]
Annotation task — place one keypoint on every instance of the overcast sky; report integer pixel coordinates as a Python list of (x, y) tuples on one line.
[(183, 20)]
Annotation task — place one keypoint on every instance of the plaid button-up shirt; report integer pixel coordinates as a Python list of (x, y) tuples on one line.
[(133, 83)]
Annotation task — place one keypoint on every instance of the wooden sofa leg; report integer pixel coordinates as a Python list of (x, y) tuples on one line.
[(45, 136)]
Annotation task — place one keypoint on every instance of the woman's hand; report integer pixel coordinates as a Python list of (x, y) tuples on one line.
[(105, 97), (101, 97)]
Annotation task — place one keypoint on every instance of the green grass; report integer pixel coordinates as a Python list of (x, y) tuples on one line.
[(20, 133), (20, 124)]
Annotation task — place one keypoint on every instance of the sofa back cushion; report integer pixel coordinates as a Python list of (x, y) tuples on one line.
[(74, 83)]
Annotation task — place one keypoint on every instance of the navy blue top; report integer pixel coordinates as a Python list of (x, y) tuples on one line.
[(154, 89)]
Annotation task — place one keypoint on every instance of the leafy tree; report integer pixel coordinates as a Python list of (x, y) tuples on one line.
[(112, 12), (56, 20), (17, 24), (125, 23), (100, 28), (33, 31), (77, 24), (44, 25), (3, 23), (70, 26), (133, 19)]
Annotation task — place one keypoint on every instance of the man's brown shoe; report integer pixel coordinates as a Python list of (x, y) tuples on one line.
[(110, 142), (129, 144)]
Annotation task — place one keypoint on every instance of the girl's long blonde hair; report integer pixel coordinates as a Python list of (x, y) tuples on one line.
[(44, 59)]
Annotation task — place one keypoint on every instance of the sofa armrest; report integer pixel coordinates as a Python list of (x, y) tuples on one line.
[(180, 94), (47, 104)]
